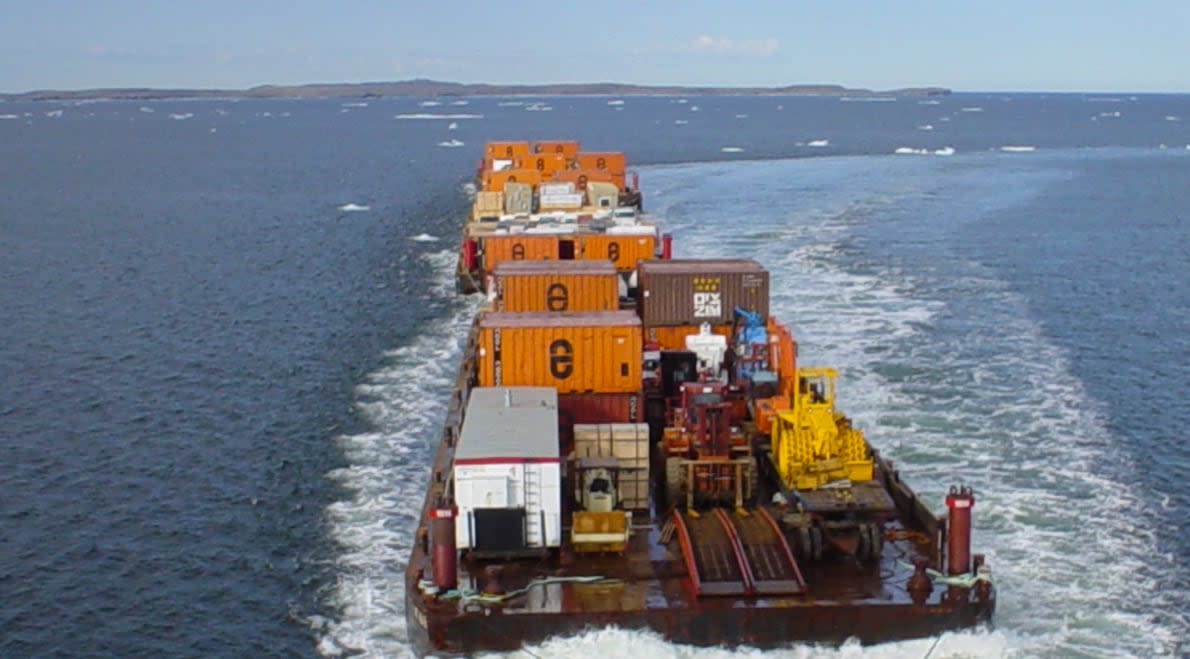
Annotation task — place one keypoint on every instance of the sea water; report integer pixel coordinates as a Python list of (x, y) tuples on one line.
[(229, 339)]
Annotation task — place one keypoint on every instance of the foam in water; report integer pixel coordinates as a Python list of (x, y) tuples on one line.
[(995, 406), (386, 476), (354, 208), (1000, 410), (428, 115)]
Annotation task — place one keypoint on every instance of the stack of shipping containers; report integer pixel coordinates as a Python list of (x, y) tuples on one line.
[(558, 324)]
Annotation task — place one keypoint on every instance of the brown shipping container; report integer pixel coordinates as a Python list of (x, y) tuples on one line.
[(505, 149), (546, 163), (610, 161), (568, 148), (597, 351), (694, 291), (556, 286), (600, 408), (673, 337), (624, 250), (522, 247)]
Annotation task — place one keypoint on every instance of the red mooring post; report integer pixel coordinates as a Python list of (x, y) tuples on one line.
[(667, 246), (958, 533), (444, 555)]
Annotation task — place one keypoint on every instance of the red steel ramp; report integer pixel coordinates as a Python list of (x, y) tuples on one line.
[(736, 553)]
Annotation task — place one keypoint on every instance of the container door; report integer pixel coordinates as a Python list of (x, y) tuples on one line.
[(566, 250)]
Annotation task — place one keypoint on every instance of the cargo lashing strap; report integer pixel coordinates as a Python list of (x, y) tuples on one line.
[(467, 595)]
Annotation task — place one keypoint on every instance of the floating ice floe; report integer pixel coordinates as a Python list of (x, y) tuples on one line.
[(451, 144), (926, 127), (147, 109), (180, 116), (1170, 117), (424, 238), (356, 208), (452, 126), (510, 104), (1110, 115), (971, 109), (929, 102), (54, 113), (694, 108), (429, 104), (681, 122), (615, 101), (459, 103), (1018, 148), (355, 104), (912, 151), (818, 143), (731, 149), (741, 116), (538, 107), (427, 115), (9, 116)]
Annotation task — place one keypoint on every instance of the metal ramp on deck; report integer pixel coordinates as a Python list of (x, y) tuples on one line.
[(736, 553)]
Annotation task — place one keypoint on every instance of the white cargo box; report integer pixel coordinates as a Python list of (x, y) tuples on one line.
[(628, 444), (547, 189), (553, 228), (569, 200), (633, 230), (507, 479)]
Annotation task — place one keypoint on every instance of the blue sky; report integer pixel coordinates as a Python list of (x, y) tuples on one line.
[(1010, 45)]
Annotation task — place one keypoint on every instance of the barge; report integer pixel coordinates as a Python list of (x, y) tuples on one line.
[(633, 443)]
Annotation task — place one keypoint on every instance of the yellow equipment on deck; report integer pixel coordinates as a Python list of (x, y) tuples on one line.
[(813, 444)]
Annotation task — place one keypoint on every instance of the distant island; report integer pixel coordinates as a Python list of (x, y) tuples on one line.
[(438, 88)]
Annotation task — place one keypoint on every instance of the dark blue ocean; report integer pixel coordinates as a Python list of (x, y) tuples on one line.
[(228, 328)]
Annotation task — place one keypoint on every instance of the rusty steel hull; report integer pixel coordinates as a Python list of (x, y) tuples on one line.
[(758, 627), (650, 586)]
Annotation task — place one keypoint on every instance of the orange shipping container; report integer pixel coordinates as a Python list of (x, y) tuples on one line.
[(580, 177), (524, 247), (596, 351), (556, 286), (568, 148), (609, 161), (505, 149), (495, 181), (624, 250), (546, 163), (673, 337)]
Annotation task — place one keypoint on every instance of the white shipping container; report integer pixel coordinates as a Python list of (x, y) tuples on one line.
[(506, 467)]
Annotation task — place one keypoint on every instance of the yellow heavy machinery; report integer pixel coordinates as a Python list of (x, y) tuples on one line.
[(813, 443), (826, 469)]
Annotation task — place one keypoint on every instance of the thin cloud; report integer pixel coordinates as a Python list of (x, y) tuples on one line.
[(706, 44)]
